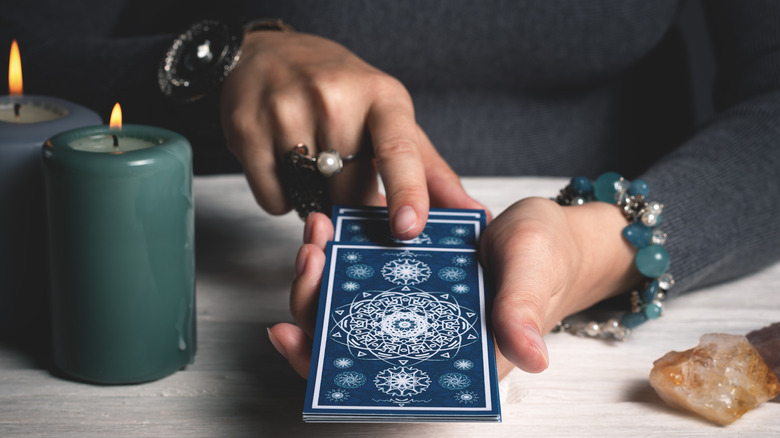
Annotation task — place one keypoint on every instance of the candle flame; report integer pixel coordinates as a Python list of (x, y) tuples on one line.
[(116, 117), (15, 71)]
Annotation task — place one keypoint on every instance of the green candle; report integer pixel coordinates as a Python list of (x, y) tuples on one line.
[(121, 239)]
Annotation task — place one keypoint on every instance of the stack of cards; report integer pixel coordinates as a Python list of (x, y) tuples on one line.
[(401, 329)]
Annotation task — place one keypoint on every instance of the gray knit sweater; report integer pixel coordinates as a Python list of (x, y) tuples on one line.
[(503, 87)]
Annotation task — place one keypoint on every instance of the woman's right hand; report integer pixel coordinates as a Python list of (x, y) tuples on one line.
[(291, 88)]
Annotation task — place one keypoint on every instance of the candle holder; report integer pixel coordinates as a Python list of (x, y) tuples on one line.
[(121, 240)]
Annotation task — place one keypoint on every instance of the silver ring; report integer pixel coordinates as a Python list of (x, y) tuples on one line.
[(304, 178)]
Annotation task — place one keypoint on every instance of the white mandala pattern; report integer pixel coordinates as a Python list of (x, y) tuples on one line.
[(451, 241), (355, 228), (351, 257), (402, 381), (406, 272), (461, 260), (350, 379), (423, 238), (404, 327), (463, 364), (337, 395), (350, 286), (460, 288), (466, 397), (454, 381), (459, 231), (343, 362), (360, 272), (452, 273)]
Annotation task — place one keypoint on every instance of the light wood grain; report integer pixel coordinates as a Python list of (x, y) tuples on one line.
[(238, 385)]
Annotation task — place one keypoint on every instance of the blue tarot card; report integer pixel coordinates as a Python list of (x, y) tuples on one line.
[(447, 228), (402, 336)]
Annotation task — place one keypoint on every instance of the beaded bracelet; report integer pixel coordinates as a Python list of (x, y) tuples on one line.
[(651, 259)]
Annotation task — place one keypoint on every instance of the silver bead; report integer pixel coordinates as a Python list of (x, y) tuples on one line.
[(665, 281), (592, 329), (655, 207), (579, 200), (621, 186), (329, 163), (659, 237), (649, 218)]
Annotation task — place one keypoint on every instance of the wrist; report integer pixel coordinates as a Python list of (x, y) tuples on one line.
[(606, 260)]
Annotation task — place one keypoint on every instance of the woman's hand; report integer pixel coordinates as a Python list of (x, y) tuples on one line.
[(291, 88), (546, 262)]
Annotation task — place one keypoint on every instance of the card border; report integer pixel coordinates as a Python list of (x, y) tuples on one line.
[(312, 407)]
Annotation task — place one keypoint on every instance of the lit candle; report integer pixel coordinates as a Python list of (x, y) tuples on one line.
[(121, 241), (25, 123)]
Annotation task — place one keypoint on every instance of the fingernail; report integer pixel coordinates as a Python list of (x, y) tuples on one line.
[(405, 219), (534, 338), (276, 344), (300, 260)]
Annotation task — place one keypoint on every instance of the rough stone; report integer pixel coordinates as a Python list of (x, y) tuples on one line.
[(720, 379), (767, 342)]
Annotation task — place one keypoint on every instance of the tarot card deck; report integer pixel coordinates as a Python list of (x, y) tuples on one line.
[(402, 333)]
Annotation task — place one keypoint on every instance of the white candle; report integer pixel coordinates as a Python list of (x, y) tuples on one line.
[(24, 110), (104, 143)]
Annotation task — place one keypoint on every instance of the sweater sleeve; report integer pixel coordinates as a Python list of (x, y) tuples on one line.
[(721, 188)]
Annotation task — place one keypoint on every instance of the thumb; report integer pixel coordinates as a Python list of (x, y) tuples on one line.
[(516, 320)]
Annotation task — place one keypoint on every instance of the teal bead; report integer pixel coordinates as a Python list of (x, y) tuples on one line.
[(638, 235), (604, 187), (633, 320), (652, 261), (639, 187), (653, 310), (650, 292), (581, 185)]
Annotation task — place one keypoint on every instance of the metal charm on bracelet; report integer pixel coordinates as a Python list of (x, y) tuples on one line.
[(304, 178), (651, 260)]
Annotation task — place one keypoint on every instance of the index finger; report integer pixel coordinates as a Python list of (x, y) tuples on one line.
[(397, 149)]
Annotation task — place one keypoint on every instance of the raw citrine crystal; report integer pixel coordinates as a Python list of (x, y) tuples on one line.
[(720, 379)]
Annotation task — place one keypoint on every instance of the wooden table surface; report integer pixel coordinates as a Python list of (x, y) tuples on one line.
[(239, 386)]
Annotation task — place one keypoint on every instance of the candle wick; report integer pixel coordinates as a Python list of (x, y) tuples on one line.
[(17, 109), (116, 140)]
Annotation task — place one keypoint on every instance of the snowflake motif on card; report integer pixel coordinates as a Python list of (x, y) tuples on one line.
[(460, 231), (337, 395), (355, 228), (350, 286), (404, 327), (451, 274), (466, 397), (350, 379), (351, 257), (460, 288), (451, 241), (422, 239), (402, 381), (454, 381), (343, 362), (406, 272), (463, 364), (461, 260), (359, 238), (360, 272)]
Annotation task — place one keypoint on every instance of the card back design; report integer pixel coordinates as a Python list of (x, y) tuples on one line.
[(402, 332)]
